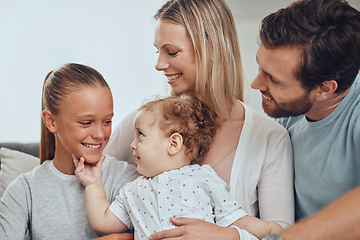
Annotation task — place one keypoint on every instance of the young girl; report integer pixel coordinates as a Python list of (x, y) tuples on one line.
[(76, 119), (172, 135)]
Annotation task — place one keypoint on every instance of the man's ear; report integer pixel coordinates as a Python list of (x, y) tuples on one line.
[(175, 143), (49, 120), (326, 90)]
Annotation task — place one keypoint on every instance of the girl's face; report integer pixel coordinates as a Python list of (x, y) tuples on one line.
[(176, 56), (83, 126), (150, 147)]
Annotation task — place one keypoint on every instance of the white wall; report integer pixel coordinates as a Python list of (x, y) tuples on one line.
[(113, 36)]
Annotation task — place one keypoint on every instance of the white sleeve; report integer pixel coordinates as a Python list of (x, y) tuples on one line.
[(244, 235), (121, 138), (275, 186)]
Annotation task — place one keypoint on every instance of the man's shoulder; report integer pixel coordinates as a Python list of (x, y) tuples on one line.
[(290, 121)]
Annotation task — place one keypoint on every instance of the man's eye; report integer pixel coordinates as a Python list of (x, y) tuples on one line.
[(85, 123), (140, 134)]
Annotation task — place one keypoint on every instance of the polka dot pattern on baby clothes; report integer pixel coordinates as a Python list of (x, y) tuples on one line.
[(191, 191)]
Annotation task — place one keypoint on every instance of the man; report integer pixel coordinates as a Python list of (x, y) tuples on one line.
[(309, 60)]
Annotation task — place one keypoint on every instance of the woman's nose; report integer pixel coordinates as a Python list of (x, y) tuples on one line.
[(161, 63)]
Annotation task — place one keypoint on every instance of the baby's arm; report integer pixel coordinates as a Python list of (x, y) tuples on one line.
[(101, 218), (257, 227)]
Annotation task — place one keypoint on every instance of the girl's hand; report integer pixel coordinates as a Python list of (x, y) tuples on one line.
[(195, 229), (88, 173)]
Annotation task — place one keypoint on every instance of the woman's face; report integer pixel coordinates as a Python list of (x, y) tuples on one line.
[(176, 56)]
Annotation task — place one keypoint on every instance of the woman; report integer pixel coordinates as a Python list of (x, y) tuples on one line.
[(198, 52)]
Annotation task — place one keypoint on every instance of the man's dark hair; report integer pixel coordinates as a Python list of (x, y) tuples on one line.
[(328, 34)]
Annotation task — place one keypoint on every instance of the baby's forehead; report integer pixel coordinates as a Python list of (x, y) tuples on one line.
[(150, 116)]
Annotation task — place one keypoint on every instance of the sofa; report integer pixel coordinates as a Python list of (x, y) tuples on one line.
[(15, 159)]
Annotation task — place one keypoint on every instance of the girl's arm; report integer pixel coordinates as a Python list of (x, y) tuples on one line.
[(14, 210)]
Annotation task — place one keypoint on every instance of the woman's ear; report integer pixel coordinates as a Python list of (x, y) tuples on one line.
[(175, 143), (49, 120)]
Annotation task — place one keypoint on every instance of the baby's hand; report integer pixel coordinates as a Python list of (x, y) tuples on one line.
[(276, 228), (86, 173)]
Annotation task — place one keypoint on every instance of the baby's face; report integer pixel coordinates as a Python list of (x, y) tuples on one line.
[(150, 146)]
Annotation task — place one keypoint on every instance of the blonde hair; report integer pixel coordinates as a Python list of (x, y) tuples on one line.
[(211, 28), (187, 115), (58, 84)]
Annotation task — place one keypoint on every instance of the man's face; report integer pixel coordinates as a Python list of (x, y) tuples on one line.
[(283, 95)]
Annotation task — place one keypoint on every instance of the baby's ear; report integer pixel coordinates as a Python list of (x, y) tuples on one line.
[(49, 120), (175, 143)]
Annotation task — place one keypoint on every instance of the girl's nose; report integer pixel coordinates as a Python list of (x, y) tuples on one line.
[(98, 132)]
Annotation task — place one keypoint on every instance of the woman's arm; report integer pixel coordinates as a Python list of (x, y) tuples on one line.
[(275, 186), (196, 229)]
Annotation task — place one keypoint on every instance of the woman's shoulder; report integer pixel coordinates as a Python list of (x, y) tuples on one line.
[(260, 121), (113, 166)]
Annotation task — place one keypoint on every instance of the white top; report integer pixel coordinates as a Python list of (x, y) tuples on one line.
[(193, 191), (262, 173)]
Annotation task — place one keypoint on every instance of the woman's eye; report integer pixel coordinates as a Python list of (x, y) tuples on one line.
[(108, 122), (85, 123), (140, 134), (173, 53)]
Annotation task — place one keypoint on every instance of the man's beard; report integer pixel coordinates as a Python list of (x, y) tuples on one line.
[(293, 108)]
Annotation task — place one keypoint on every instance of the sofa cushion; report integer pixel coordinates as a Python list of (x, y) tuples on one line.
[(14, 163)]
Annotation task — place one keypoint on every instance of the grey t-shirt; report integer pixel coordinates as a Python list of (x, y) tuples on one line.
[(51, 205)]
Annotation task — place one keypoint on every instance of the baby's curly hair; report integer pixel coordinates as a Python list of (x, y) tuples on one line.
[(187, 115)]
